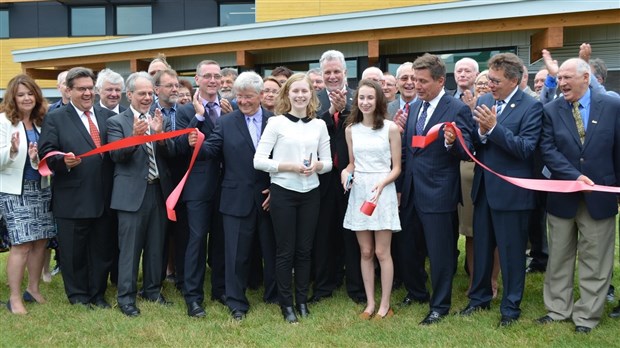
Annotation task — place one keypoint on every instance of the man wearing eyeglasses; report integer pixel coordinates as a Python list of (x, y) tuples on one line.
[(201, 195), (389, 88), (406, 87)]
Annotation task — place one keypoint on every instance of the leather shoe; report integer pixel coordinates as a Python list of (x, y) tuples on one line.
[(237, 315), (506, 321), (195, 310), (582, 329), (469, 310), (160, 300), (615, 313), (289, 314), (408, 301), (101, 303), (433, 317), (389, 314), (545, 320), (28, 297), (221, 299), (130, 310), (303, 310), (316, 299)]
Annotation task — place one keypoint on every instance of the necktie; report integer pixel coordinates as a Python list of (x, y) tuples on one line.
[(94, 132), (419, 126), (212, 112), (499, 106), (151, 152), (171, 114), (579, 121), (336, 119), (253, 130)]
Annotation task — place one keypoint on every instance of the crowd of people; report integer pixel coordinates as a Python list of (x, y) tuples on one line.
[(304, 184)]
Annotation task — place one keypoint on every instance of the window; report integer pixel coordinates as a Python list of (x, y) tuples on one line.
[(87, 21), (4, 24), (236, 14), (134, 20)]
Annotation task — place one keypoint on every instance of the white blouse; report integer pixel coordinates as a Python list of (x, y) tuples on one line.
[(293, 141)]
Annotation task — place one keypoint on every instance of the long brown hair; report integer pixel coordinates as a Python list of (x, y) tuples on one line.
[(9, 106), (283, 104), (356, 115)]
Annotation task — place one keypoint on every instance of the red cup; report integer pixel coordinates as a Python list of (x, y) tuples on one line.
[(368, 208)]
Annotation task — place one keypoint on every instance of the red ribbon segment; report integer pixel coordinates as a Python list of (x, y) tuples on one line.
[(548, 185), (172, 200)]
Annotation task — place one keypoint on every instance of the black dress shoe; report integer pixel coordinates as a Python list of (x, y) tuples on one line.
[(615, 313), (433, 317), (506, 321), (289, 314), (130, 310), (101, 303), (28, 297), (582, 329), (159, 300), (221, 299), (195, 310), (237, 314), (408, 301), (316, 299), (303, 310), (469, 310), (546, 320)]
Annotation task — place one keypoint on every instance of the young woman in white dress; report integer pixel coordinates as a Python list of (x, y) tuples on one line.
[(374, 160)]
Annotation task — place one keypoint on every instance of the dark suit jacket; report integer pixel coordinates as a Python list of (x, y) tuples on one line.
[(598, 158), (338, 143), (509, 150), (84, 191), (131, 169), (431, 176)]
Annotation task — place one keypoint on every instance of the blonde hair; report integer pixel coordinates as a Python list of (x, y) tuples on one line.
[(283, 104)]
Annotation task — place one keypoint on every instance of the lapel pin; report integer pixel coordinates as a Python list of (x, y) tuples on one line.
[(594, 121), (512, 105)]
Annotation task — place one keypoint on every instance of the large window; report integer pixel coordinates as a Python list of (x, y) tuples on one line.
[(236, 14), (134, 20), (87, 21), (4, 24)]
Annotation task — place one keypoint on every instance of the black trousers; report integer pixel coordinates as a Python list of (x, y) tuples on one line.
[(86, 257), (294, 215), (412, 253)]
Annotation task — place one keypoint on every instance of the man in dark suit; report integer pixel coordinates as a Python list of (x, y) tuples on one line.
[(141, 184), (508, 129), (244, 201), (81, 190), (201, 198), (430, 189), (61, 85), (109, 87), (335, 102), (406, 86), (580, 141)]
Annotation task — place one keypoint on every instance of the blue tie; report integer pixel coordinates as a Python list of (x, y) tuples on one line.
[(499, 106), (419, 126)]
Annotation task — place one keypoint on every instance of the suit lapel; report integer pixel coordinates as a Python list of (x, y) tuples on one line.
[(439, 112), (596, 108), (511, 105), (77, 122), (243, 128), (101, 123), (566, 115)]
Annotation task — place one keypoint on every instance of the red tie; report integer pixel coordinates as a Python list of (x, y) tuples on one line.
[(94, 133)]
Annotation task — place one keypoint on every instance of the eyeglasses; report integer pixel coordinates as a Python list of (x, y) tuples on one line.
[(272, 91), (187, 95), (84, 89), (170, 85), (482, 84), (406, 78), (389, 84), (494, 81), (211, 76)]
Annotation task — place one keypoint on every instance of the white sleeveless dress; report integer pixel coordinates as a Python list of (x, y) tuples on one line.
[(371, 149)]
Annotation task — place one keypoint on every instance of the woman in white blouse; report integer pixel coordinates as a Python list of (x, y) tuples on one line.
[(299, 147)]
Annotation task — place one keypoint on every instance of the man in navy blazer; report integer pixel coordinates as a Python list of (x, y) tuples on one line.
[(430, 189), (507, 133), (80, 190), (244, 201), (580, 141)]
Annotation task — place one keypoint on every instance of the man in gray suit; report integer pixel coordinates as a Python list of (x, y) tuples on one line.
[(141, 183), (406, 87)]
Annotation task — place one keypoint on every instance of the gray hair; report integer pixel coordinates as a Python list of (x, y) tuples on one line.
[(316, 71), (78, 72), (206, 62), (333, 55), (111, 76), (370, 70), (62, 77), (131, 80), (599, 68), (467, 60), (248, 80), (229, 72), (405, 65)]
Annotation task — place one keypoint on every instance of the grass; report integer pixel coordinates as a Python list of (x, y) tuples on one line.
[(333, 323)]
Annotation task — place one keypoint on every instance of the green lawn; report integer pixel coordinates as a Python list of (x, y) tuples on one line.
[(333, 322)]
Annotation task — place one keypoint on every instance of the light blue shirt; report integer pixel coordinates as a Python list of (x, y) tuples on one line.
[(584, 108)]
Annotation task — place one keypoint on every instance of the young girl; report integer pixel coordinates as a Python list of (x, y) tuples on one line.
[(374, 152)]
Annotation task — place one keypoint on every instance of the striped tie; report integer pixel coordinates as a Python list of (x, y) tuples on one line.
[(151, 152), (499, 106)]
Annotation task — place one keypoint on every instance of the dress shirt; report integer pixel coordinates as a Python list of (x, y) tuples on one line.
[(584, 108), (216, 106), (483, 137), (116, 109), (431, 108), (84, 119), (293, 141)]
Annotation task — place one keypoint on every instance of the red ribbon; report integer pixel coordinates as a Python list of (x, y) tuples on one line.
[(172, 200), (561, 186)]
